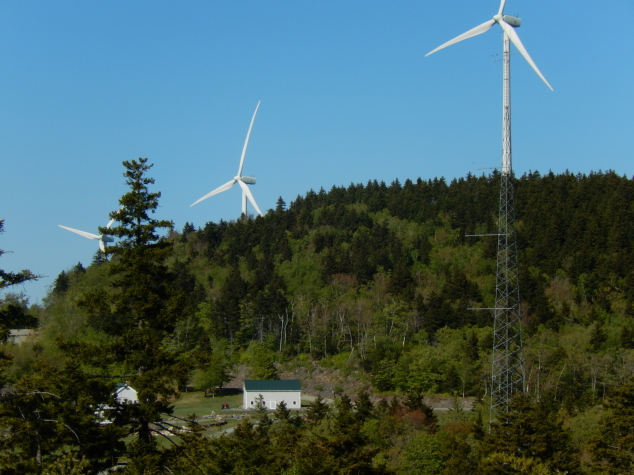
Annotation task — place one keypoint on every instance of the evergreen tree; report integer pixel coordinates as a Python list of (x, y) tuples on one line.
[(188, 229), (143, 301), (317, 410), (472, 347), (12, 315), (400, 280), (61, 283), (597, 336), (627, 337), (7, 278), (52, 411), (613, 451), (78, 269), (363, 406), (530, 430), (99, 257), (227, 308)]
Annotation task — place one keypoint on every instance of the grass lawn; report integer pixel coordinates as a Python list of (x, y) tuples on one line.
[(196, 402)]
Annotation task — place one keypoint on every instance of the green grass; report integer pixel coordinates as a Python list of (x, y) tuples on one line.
[(197, 403)]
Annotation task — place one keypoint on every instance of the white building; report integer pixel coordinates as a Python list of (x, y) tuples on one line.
[(17, 337), (124, 393), (272, 392)]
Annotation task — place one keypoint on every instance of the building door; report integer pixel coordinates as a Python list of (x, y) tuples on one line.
[(272, 404)]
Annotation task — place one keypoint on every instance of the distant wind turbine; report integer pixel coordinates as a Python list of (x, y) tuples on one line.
[(103, 238), (240, 179)]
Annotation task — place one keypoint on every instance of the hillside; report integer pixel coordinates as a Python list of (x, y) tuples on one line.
[(379, 282), (375, 272)]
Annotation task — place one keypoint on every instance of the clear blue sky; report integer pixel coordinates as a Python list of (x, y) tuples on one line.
[(346, 93)]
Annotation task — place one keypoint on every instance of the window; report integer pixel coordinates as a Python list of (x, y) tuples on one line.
[(252, 403), (294, 403)]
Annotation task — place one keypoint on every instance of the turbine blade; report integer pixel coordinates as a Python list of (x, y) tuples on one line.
[(246, 142), (220, 189), (478, 30), (81, 233), (510, 32), (501, 10), (102, 246), (246, 190), (112, 220)]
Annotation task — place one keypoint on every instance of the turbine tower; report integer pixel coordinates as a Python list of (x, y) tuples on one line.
[(507, 371), (240, 179)]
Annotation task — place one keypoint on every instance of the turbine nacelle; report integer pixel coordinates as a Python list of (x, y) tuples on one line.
[(249, 180), (511, 20)]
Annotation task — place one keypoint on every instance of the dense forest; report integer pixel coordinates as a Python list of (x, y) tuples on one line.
[(382, 282)]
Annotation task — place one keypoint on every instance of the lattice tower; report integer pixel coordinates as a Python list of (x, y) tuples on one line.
[(507, 371)]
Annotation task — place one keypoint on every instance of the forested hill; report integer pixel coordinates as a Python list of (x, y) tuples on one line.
[(336, 269), (406, 244), (371, 287)]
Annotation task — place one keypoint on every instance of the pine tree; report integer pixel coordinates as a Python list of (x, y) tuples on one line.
[(99, 257), (530, 430), (613, 451), (317, 410), (227, 306), (188, 229), (597, 336), (472, 347), (363, 406), (61, 283), (52, 411), (143, 301), (627, 337)]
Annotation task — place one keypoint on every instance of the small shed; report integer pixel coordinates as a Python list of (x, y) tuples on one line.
[(272, 392)]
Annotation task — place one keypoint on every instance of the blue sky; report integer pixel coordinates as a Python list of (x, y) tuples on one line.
[(346, 93)]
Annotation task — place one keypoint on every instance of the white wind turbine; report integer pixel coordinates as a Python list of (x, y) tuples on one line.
[(507, 373), (103, 238), (240, 179), (508, 23)]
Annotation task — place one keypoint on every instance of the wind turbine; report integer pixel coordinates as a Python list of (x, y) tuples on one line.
[(240, 179), (103, 238), (507, 368), (508, 24)]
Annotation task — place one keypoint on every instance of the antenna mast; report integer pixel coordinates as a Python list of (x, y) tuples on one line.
[(507, 370)]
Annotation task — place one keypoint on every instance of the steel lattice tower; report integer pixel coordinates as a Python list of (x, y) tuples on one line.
[(507, 373)]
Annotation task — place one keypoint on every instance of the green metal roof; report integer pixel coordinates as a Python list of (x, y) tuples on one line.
[(272, 385)]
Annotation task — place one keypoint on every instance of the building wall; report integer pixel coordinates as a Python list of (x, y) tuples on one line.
[(292, 399), (17, 337), (127, 394)]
